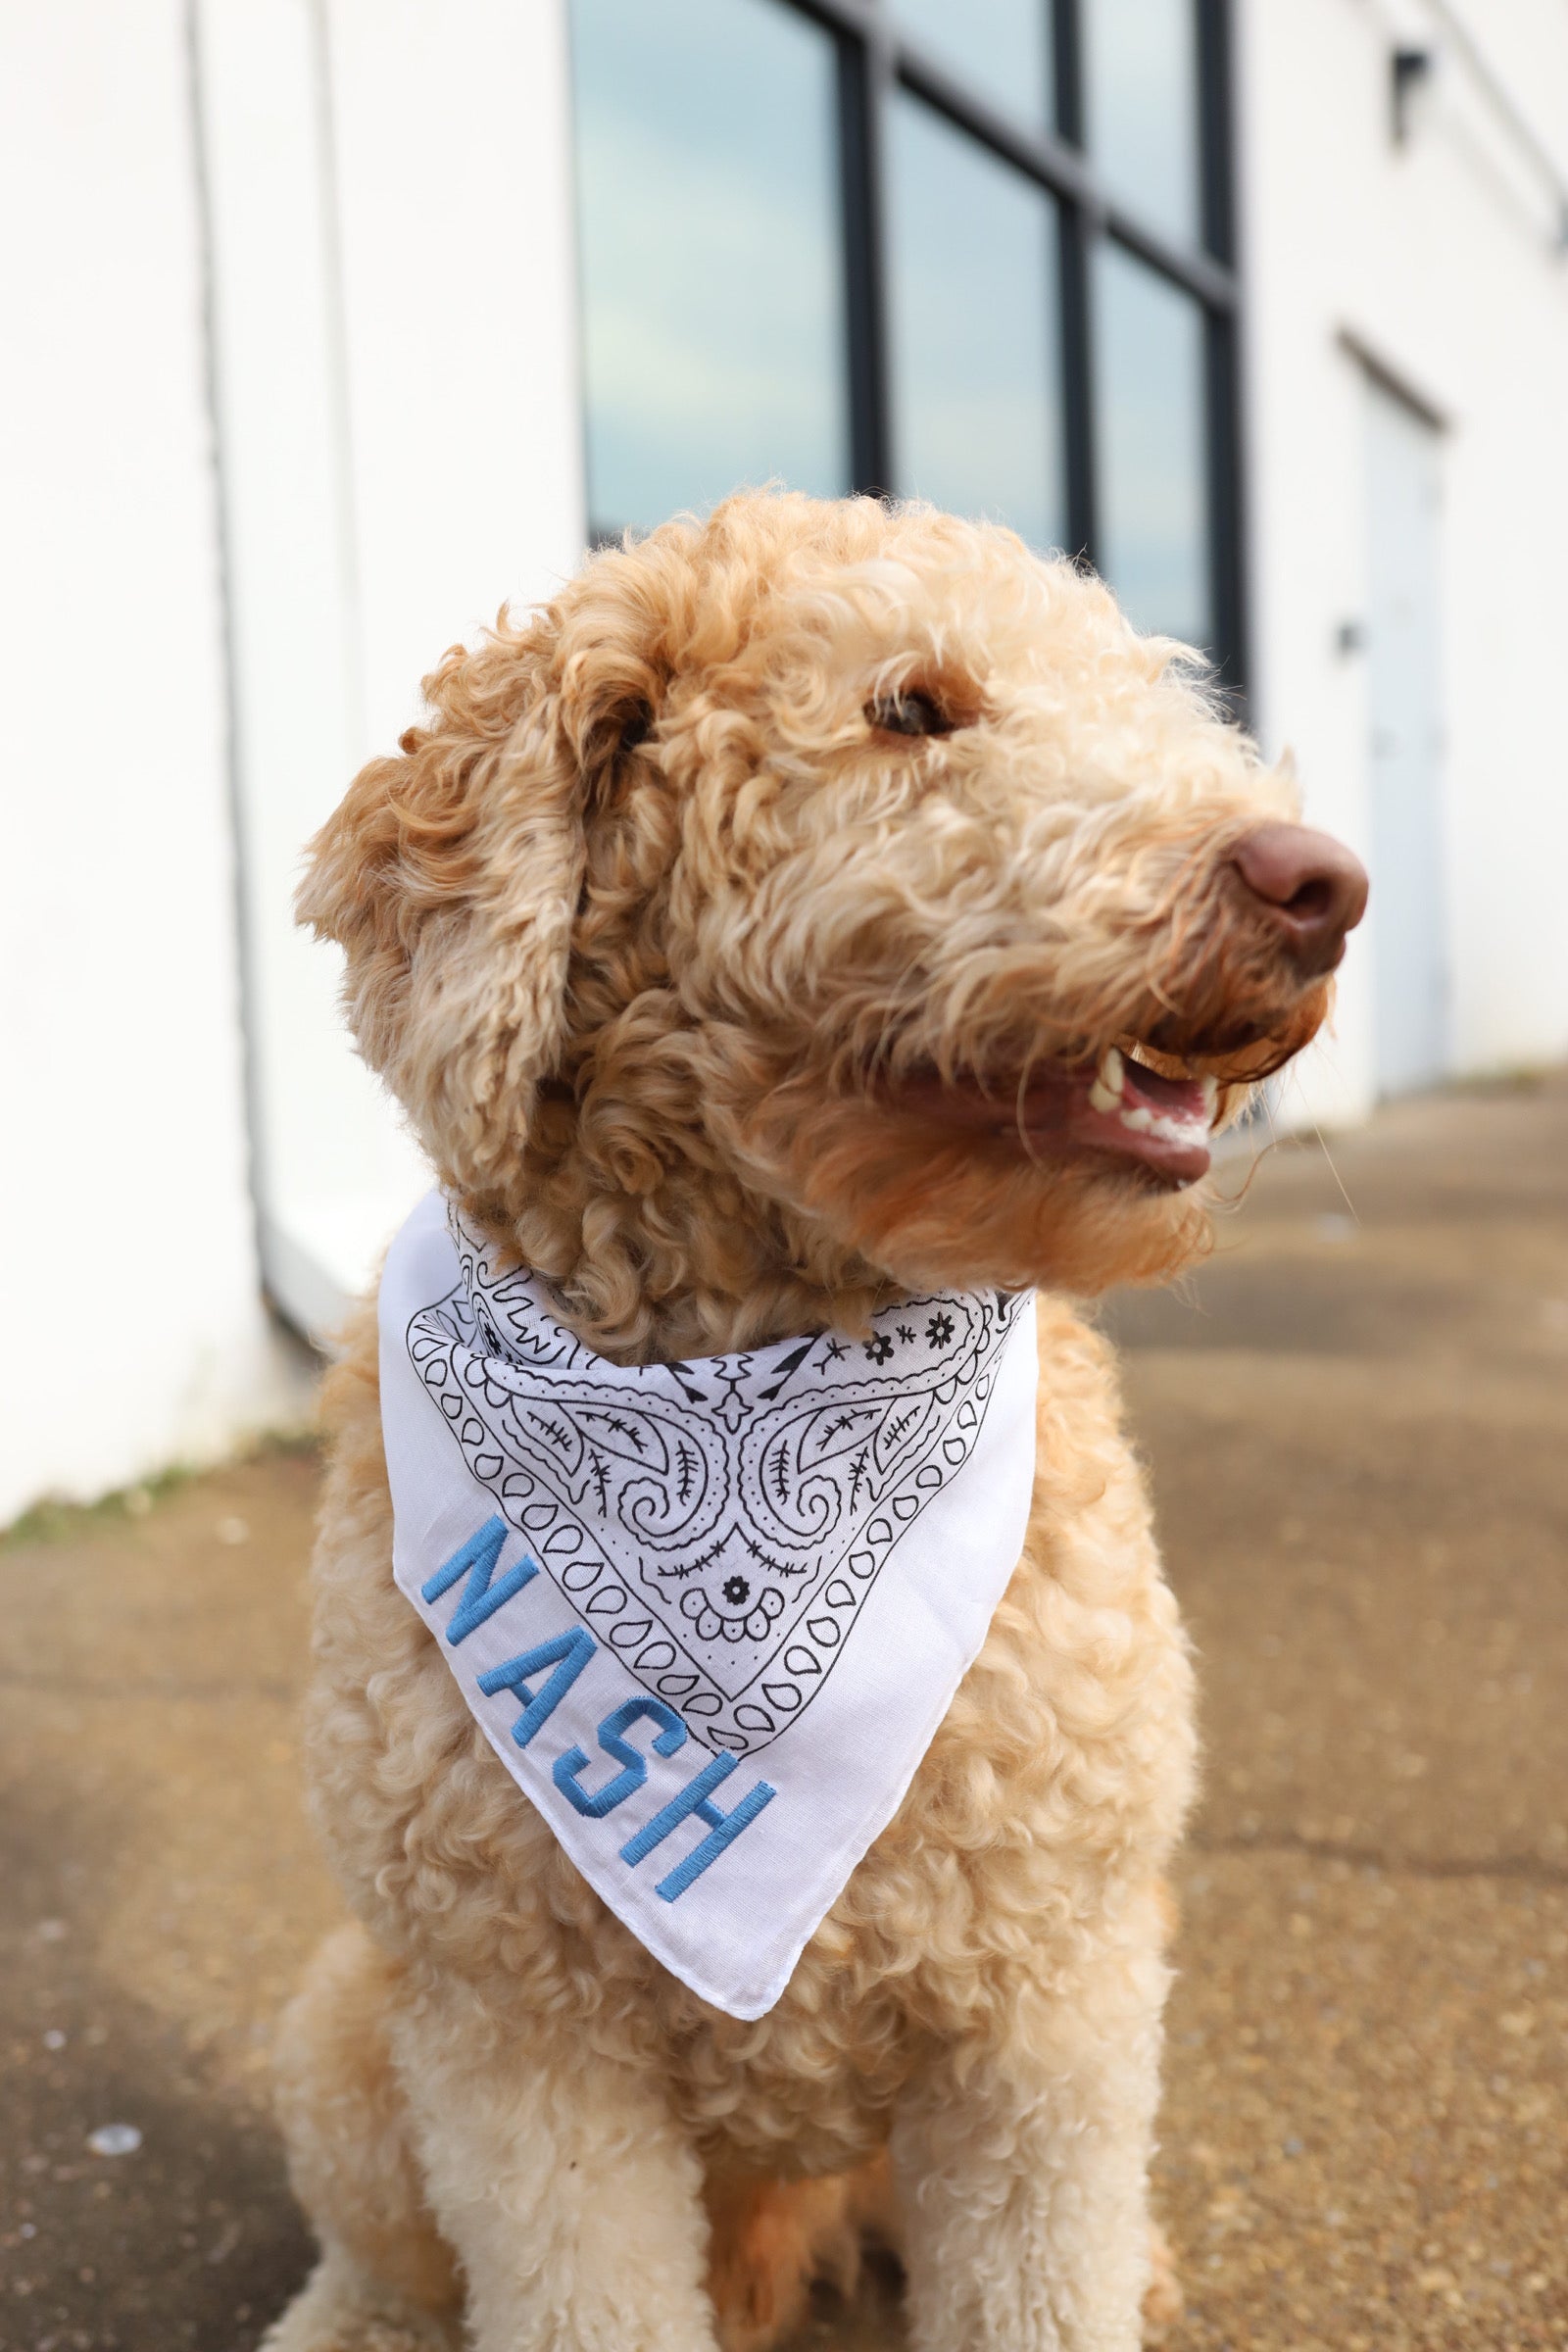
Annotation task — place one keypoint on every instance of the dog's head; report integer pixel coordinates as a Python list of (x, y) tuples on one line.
[(832, 896)]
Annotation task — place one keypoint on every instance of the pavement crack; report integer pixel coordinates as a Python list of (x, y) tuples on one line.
[(1528, 1867), (124, 1686)]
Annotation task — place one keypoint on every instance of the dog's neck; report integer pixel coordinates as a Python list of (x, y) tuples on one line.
[(634, 1296), (693, 1265)]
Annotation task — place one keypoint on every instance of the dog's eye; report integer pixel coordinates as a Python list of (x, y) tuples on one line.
[(908, 713)]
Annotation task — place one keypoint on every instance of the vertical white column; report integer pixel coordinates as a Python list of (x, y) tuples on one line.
[(388, 190)]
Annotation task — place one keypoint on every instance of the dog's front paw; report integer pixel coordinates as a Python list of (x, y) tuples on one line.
[(340, 2308)]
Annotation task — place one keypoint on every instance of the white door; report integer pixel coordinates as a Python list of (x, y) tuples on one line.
[(1408, 915)]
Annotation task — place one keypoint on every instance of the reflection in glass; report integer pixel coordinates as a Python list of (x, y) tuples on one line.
[(1141, 107), (977, 409), (1152, 487), (1001, 48), (709, 233)]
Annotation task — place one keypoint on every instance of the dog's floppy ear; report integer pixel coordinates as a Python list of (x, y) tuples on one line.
[(451, 875)]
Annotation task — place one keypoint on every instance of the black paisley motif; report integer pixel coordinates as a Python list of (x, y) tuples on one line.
[(740, 1509)]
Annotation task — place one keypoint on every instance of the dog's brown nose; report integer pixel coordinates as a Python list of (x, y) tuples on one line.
[(1313, 887)]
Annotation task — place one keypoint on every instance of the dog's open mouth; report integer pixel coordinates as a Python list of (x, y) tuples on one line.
[(1117, 1108)]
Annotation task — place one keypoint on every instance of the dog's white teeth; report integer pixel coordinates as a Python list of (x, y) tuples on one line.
[(1110, 1095), (1169, 1131), (1105, 1093)]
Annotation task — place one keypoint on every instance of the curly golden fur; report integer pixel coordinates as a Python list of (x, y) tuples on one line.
[(668, 944)]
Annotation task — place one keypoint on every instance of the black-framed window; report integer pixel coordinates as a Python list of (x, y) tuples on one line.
[(981, 252)]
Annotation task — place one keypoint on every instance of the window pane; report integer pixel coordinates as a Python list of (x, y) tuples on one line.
[(1152, 495), (1141, 105), (977, 412), (710, 245), (1000, 47)]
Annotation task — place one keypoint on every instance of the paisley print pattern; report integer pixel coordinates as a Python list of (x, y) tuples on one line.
[(719, 1524)]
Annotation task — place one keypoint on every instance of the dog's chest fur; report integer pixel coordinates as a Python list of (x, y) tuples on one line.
[(1043, 1811)]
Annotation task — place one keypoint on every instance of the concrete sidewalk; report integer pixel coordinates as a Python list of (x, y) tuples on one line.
[(1357, 1426)]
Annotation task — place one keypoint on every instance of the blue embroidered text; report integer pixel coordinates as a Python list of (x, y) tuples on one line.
[(565, 1655)]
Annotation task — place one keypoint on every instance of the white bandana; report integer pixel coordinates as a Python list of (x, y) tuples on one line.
[(708, 1615)]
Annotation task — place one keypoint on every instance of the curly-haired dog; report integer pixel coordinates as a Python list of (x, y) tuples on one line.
[(811, 908)]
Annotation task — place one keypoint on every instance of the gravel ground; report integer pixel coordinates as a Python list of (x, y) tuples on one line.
[(1356, 1420)]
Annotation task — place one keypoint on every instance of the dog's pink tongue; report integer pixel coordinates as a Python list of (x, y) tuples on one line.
[(1135, 1114)]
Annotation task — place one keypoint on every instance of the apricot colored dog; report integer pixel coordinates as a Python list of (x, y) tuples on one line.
[(811, 907)]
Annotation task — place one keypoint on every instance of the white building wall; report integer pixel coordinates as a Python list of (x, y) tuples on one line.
[(386, 166), (1441, 259), (395, 350), (135, 1332)]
